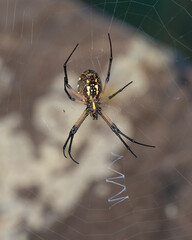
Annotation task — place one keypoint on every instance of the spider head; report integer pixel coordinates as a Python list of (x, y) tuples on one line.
[(89, 84)]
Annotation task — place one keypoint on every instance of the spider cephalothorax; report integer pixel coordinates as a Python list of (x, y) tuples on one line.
[(90, 93)]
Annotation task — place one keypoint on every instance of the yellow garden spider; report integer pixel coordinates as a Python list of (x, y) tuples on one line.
[(90, 93)]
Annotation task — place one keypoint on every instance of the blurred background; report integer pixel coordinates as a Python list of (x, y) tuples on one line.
[(44, 196)]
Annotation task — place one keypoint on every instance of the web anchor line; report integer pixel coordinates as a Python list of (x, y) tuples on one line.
[(116, 199)]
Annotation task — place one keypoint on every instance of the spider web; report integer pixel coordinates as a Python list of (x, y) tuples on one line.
[(44, 196)]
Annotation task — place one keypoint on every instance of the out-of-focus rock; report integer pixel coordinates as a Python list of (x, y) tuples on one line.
[(45, 196)]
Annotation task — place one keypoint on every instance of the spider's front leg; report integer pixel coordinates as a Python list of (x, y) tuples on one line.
[(67, 85), (72, 133), (109, 66)]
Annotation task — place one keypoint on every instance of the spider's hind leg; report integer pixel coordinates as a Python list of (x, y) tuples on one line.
[(70, 137), (116, 130), (72, 133)]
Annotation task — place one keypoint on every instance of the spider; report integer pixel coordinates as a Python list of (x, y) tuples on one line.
[(90, 93)]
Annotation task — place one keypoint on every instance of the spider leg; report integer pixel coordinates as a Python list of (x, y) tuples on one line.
[(120, 90), (72, 133), (67, 85), (132, 140), (114, 94), (65, 145), (109, 67), (70, 145), (116, 130), (127, 146), (110, 60)]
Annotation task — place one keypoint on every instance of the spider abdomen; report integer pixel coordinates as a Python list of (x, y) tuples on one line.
[(89, 84)]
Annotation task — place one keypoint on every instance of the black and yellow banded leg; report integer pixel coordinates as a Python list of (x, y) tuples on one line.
[(109, 67), (72, 133), (114, 94), (67, 85), (116, 130)]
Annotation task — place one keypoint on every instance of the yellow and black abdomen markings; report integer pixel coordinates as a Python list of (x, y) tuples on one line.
[(89, 84), (92, 90)]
